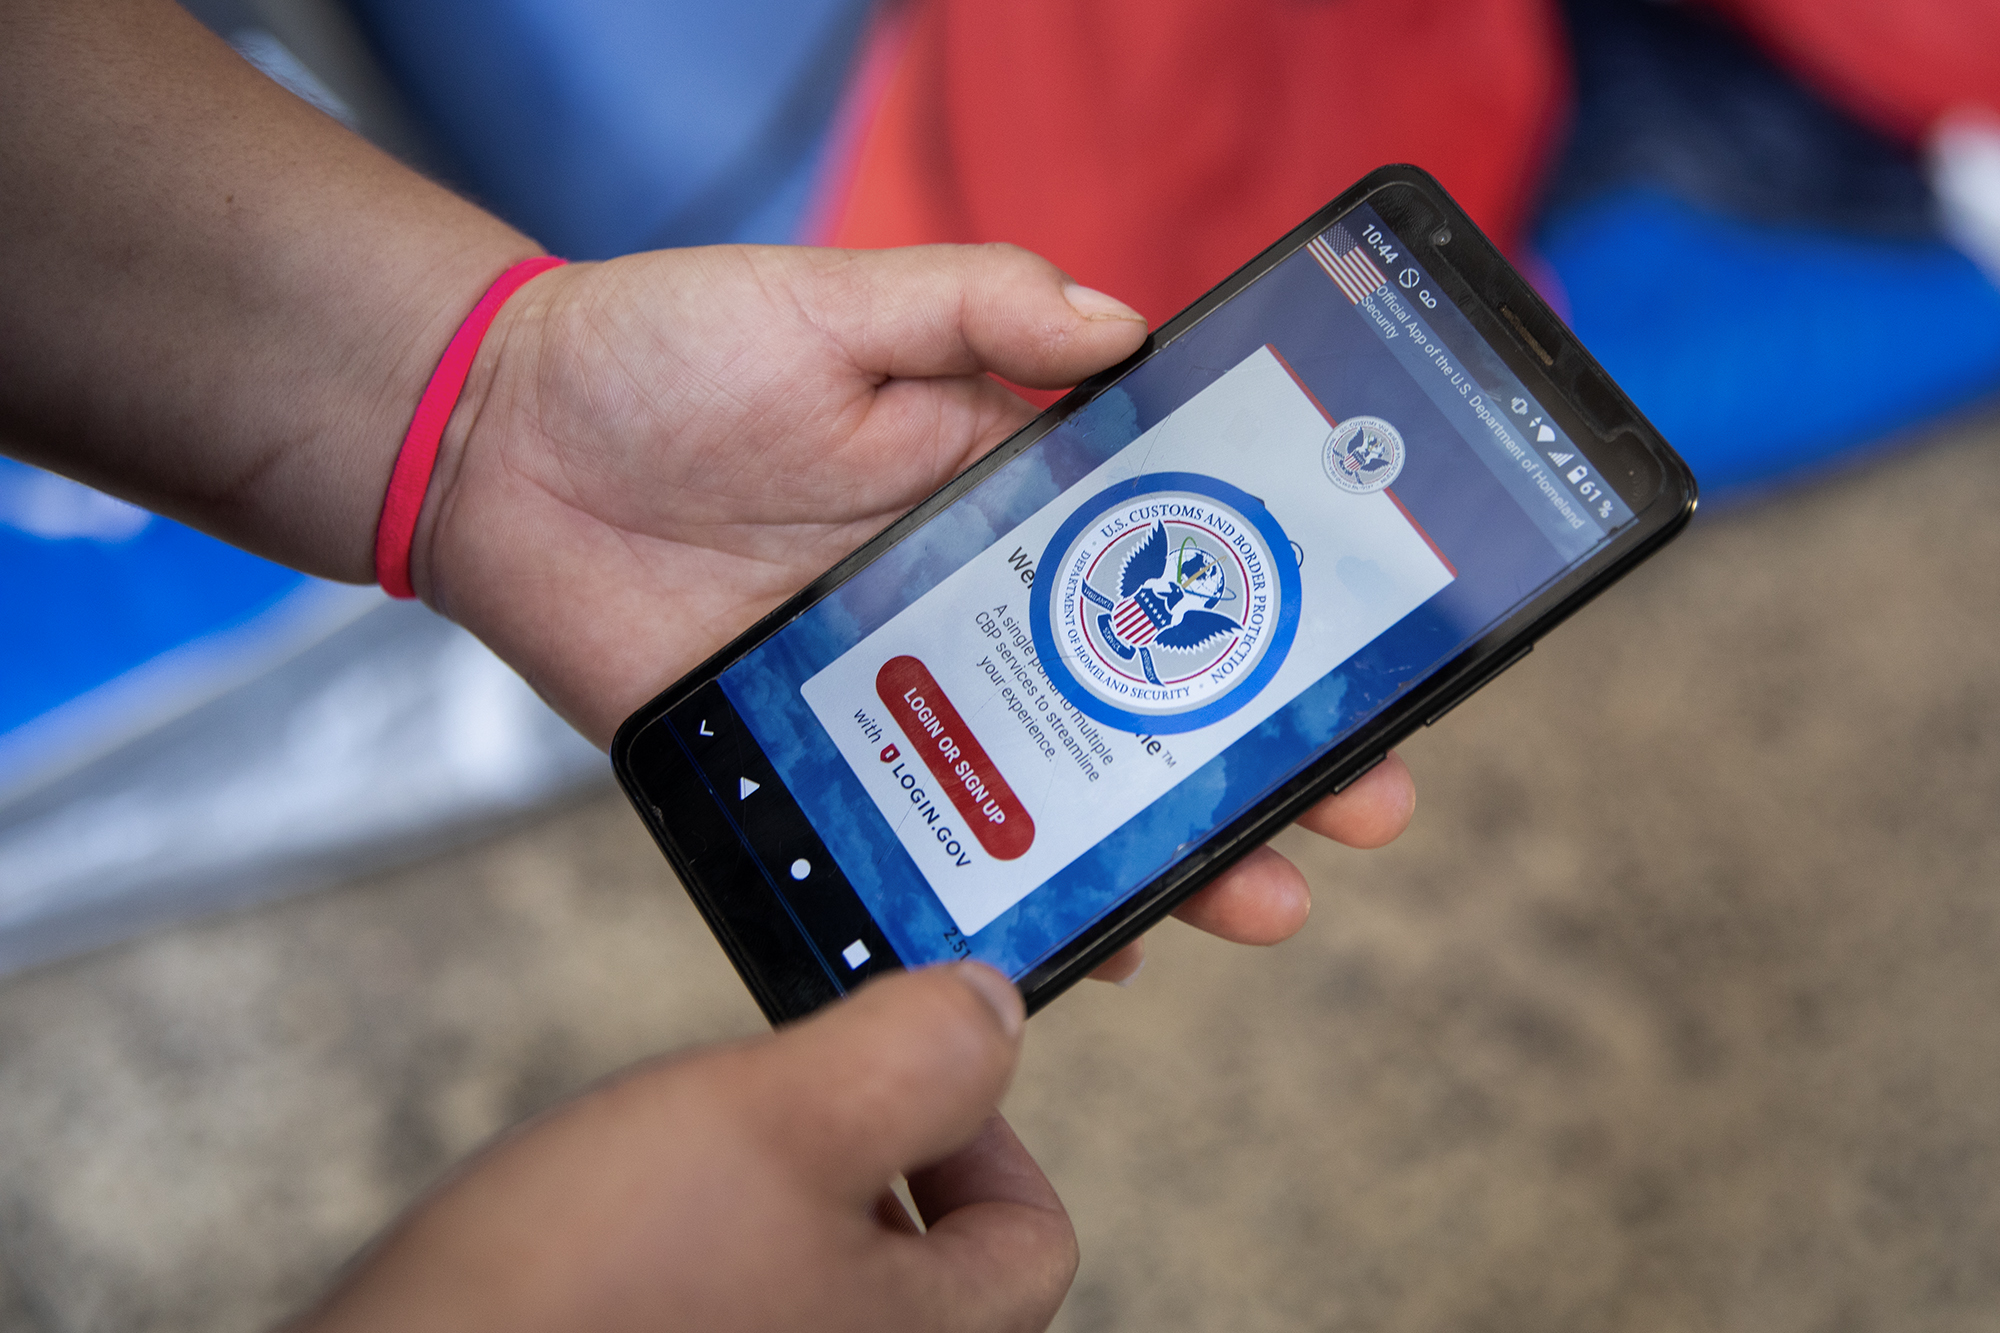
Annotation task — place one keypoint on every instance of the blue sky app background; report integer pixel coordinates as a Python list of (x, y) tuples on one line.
[(1500, 555)]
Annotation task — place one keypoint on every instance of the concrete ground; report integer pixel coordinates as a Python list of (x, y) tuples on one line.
[(1678, 1008)]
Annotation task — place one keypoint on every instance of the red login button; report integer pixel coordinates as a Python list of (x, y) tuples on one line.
[(962, 767)]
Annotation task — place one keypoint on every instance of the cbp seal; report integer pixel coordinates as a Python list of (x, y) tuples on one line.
[(1363, 455), (1169, 601)]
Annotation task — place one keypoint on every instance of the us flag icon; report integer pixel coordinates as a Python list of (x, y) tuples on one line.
[(1347, 264)]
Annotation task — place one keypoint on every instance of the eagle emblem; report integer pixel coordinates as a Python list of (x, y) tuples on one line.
[(1364, 455), (1164, 602), (1167, 599)]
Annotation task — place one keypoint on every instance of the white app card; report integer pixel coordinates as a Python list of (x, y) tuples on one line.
[(1188, 588)]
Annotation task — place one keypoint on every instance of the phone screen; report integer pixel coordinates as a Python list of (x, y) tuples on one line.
[(1175, 600)]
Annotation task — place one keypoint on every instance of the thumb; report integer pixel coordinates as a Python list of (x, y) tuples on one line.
[(932, 310), (898, 1076)]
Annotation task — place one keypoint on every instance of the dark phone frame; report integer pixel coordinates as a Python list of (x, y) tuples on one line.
[(1623, 447)]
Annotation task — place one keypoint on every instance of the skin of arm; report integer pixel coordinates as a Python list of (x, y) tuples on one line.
[(221, 304), (224, 307)]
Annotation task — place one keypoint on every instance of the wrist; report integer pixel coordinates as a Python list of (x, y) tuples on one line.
[(492, 405)]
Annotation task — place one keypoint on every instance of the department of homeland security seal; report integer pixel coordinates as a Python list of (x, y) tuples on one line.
[(1165, 603), (1364, 454)]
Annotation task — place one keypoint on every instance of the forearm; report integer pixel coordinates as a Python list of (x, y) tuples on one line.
[(220, 303)]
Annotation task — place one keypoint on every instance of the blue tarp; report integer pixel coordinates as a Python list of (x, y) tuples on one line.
[(1766, 352), (95, 589)]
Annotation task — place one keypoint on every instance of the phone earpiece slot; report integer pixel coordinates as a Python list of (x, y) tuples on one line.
[(1528, 339)]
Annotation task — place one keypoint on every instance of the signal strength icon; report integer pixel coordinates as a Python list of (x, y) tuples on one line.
[(1560, 459)]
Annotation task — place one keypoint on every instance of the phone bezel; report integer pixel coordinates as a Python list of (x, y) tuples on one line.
[(1536, 345)]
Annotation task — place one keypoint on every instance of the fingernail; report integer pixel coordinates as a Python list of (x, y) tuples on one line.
[(1125, 982), (998, 992), (1093, 304)]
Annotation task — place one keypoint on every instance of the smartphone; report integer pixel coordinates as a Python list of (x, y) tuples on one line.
[(1313, 513)]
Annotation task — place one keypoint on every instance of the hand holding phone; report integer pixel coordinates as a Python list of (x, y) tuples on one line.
[(655, 451), (1208, 588), (678, 441)]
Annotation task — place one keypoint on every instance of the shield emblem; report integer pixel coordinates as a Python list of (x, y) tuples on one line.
[(1136, 619)]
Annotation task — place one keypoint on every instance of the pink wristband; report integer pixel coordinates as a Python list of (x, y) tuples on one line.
[(411, 476)]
